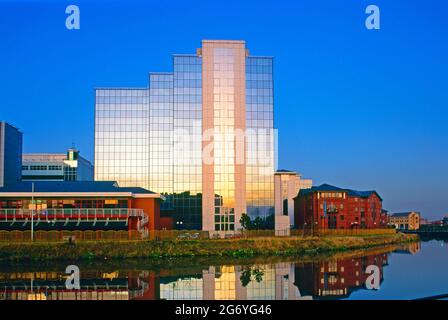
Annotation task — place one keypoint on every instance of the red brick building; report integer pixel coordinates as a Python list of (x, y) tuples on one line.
[(330, 207)]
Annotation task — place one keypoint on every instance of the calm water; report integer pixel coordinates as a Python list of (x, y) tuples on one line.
[(406, 272)]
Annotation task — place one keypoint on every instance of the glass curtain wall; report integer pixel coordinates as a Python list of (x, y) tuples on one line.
[(121, 136), (187, 141), (154, 137), (161, 123), (260, 142)]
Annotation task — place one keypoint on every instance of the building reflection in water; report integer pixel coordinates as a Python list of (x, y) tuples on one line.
[(330, 279), (260, 282), (336, 278), (411, 248)]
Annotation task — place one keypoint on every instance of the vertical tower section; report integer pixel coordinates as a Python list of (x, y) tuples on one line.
[(122, 136), (160, 140), (260, 141), (223, 123), (187, 169)]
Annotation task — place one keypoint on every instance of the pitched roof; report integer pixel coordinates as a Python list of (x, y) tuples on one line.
[(362, 194), (403, 214), (71, 186), (322, 187), (329, 187)]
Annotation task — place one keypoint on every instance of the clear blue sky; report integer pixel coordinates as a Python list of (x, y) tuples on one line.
[(355, 108)]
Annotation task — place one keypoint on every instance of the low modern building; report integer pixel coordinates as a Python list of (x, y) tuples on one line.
[(11, 140), (84, 205), (405, 220), (287, 185), (68, 166), (330, 207)]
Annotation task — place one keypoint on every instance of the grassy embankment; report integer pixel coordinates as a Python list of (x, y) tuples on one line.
[(101, 250)]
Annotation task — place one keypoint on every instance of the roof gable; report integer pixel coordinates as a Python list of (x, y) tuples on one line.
[(71, 186), (403, 214), (328, 187)]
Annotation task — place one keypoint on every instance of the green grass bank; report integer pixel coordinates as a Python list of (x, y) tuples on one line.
[(253, 247)]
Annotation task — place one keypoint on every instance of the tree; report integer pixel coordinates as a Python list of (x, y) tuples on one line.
[(245, 222), (258, 223), (251, 272), (245, 277), (258, 274)]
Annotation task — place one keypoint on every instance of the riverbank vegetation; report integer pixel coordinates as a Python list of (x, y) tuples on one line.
[(252, 247)]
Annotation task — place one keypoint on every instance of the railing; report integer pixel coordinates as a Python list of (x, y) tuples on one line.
[(429, 229), (10, 215), (341, 232), (55, 236)]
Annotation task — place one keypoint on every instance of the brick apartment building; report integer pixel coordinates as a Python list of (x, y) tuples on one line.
[(330, 207)]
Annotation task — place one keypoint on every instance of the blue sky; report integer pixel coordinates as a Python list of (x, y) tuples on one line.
[(354, 107)]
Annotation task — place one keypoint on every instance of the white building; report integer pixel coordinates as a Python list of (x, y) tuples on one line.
[(68, 166), (287, 185)]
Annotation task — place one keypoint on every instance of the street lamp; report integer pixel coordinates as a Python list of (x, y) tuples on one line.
[(32, 211)]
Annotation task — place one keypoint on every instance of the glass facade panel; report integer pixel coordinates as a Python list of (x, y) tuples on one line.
[(122, 136), (182, 289), (161, 135), (260, 144), (224, 147), (188, 141)]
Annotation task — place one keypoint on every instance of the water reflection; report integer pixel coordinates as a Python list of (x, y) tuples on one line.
[(322, 277)]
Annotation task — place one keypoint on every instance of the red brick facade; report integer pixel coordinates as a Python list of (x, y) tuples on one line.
[(345, 209)]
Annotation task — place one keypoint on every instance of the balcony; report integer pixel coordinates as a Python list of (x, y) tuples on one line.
[(72, 219), (11, 215)]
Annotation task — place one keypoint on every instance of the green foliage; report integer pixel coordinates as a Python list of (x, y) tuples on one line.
[(258, 223), (251, 272), (245, 222), (266, 223), (245, 277)]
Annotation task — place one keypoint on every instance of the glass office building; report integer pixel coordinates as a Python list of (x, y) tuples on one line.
[(202, 135), (11, 141)]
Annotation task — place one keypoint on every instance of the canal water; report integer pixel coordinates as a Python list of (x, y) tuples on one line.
[(411, 271)]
